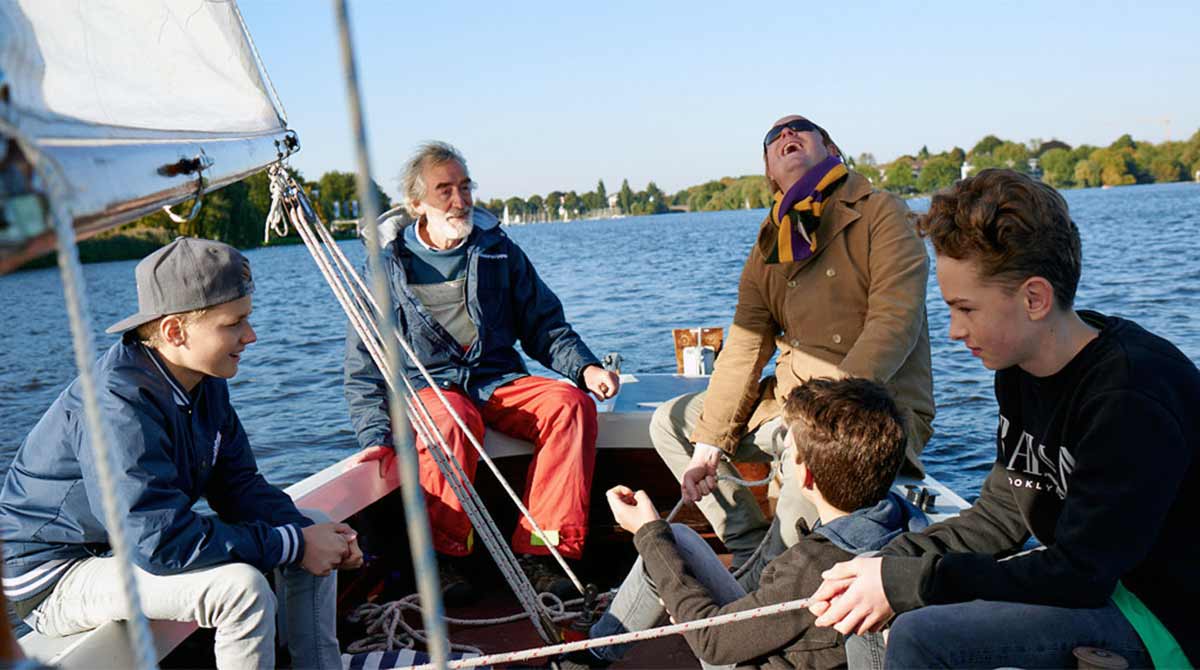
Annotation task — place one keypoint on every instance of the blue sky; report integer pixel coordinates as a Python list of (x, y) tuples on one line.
[(556, 95)]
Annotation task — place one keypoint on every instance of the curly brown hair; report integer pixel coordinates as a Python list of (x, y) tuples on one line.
[(850, 434), (1013, 226)]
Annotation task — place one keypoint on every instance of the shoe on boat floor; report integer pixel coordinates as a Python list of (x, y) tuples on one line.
[(457, 590), (543, 574)]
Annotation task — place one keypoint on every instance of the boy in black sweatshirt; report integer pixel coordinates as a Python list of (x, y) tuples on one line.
[(1096, 459), (849, 440)]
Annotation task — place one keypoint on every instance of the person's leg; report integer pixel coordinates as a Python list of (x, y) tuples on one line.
[(308, 613), (865, 652), (637, 606), (234, 598), (451, 527), (731, 509), (987, 634), (560, 420), (749, 573)]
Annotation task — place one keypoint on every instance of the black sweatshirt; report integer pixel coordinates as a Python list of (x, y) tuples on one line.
[(1099, 462)]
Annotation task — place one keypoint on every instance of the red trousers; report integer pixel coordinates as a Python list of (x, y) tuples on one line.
[(560, 421)]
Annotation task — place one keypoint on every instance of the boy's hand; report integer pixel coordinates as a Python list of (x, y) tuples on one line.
[(325, 547), (631, 510), (353, 559), (851, 599), (700, 477), (384, 454)]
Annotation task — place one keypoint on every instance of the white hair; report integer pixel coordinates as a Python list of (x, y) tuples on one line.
[(412, 180)]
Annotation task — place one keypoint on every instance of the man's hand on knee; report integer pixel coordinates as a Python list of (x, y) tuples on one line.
[(700, 477), (325, 547), (384, 454), (603, 384)]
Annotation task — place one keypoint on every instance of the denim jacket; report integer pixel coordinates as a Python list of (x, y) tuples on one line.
[(170, 449)]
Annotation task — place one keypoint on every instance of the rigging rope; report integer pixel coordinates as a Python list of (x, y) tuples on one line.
[(98, 429), (289, 203), (362, 309), (417, 521), (347, 270), (623, 638)]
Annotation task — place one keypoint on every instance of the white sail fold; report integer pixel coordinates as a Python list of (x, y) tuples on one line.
[(119, 107), (127, 69)]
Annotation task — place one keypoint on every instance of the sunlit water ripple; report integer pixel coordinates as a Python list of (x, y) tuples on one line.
[(625, 283)]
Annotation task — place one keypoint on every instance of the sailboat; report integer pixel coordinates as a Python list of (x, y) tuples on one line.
[(169, 102)]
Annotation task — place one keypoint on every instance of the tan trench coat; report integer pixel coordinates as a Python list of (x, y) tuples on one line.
[(854, 308)]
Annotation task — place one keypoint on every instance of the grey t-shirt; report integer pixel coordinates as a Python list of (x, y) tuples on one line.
[(438, 278)]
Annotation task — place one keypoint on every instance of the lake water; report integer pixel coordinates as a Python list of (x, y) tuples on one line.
[(625, 284)]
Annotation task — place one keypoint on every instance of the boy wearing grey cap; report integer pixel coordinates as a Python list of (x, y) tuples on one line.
[(162, 391)]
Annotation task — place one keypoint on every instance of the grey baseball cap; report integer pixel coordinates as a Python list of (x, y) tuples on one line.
[(185, 275)]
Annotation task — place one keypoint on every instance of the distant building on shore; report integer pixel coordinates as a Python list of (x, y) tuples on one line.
[(1052, 144)]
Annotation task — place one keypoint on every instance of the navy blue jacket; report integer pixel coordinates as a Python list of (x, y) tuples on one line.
[(508, 303), (171, 448)]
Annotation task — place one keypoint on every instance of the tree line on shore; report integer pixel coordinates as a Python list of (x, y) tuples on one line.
[(1123, 162), (568, 205), (235, 214)]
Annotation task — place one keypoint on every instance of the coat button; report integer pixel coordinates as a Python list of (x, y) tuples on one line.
[(795, 343), (837, 339), (831, 272), (792, 284)]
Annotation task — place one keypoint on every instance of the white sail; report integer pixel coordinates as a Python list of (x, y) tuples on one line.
[(114, 69), (118, 102)]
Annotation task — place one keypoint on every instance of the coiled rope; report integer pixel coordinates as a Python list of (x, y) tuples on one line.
[(416, 520), (385, 621), (387, 630)]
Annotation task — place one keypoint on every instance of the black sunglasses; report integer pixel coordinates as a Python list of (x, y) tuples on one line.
[(796, 126)]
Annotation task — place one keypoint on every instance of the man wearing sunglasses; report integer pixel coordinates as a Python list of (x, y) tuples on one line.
[(836, 284)]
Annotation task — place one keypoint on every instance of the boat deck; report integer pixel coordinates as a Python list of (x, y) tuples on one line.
[(371, 504)]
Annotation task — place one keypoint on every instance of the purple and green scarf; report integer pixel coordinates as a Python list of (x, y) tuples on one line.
[(798, 212)]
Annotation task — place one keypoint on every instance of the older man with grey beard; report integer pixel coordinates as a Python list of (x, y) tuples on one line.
[(464, 294)]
